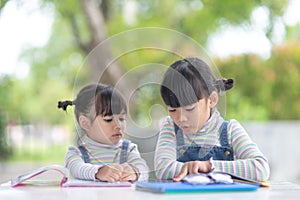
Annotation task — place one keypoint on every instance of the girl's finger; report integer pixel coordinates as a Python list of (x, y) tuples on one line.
[(182, 174), (195, 168)]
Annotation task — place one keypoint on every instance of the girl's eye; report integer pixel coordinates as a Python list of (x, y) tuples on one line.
[(172, 110), (190, 109), (122, 119), (108, 119)]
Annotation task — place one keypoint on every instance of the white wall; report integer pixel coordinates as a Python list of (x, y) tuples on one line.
[(280, 142)]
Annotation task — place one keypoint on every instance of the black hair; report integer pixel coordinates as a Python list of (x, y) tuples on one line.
[(100, 99), (188, 80)]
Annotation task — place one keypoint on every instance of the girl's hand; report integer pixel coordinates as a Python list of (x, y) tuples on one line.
[(193, 167), (110, 173), (129, 173)]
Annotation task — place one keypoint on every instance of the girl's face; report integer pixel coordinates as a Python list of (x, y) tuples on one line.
[(191, 118), (107, 129)]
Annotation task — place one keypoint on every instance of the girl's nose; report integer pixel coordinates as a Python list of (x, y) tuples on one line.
[(117, 124), (182, 116)]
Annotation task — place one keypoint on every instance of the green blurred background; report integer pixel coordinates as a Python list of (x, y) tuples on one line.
[(267, 84)]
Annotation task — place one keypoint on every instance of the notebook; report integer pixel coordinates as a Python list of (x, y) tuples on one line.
[(182, 187)]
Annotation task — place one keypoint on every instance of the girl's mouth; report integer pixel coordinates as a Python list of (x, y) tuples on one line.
[(184, 127), (117, 135)]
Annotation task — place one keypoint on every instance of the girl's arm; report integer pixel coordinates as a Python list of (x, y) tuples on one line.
[(138, 163), (77, 167), (165, 164), (249, 161)]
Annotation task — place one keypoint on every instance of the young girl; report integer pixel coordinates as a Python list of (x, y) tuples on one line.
[(102, 154), (195, 138)]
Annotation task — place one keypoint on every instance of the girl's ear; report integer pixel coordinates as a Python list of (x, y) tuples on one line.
[(213, 99), (84, 123)]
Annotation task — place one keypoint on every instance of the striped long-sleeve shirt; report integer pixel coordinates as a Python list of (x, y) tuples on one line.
[(249, 162), (101, 155)]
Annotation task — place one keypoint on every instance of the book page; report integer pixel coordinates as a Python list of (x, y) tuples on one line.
[(86, 183), (39, 177), (237, 178), (29, 178)]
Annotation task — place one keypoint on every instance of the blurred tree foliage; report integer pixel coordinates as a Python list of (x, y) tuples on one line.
[(5, 150), (265, 89)]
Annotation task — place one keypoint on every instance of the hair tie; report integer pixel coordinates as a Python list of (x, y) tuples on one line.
[(64, 104), (224, 84), (228, 83)]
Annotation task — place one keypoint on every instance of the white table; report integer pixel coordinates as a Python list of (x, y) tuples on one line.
[(279, 190)]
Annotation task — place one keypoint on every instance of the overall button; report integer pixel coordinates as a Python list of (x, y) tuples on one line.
[(181, 151), (227, 153)]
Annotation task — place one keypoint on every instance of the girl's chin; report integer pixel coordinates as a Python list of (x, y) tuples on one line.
[(112, 141), (115, 140), (190, 132)]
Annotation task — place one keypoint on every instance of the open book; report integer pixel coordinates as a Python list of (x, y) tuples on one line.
[(236, 178), (220, 177), (65, 180)]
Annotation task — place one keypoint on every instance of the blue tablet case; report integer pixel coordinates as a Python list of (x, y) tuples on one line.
[(181, 187)]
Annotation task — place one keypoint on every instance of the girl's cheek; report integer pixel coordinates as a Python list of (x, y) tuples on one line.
[(171, 114)]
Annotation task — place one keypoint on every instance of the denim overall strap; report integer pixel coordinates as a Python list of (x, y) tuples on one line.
[(85, 155), (222, 130), (186, 153), (179, 136), (124, 151), (223, 134)]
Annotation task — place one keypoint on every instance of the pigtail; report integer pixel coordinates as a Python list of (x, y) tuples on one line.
[(64, 104), (224, 84), (228, 83)]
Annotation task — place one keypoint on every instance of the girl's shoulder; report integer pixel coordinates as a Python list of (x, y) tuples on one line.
[(167, 129), (73, 149), (234, 125), (131, 145), (167, 121), (233, 122)]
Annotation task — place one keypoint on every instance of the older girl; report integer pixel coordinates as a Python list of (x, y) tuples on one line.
[(195, 137)]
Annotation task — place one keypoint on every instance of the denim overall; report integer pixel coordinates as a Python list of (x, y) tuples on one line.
[(186, 153), (123, 156)]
